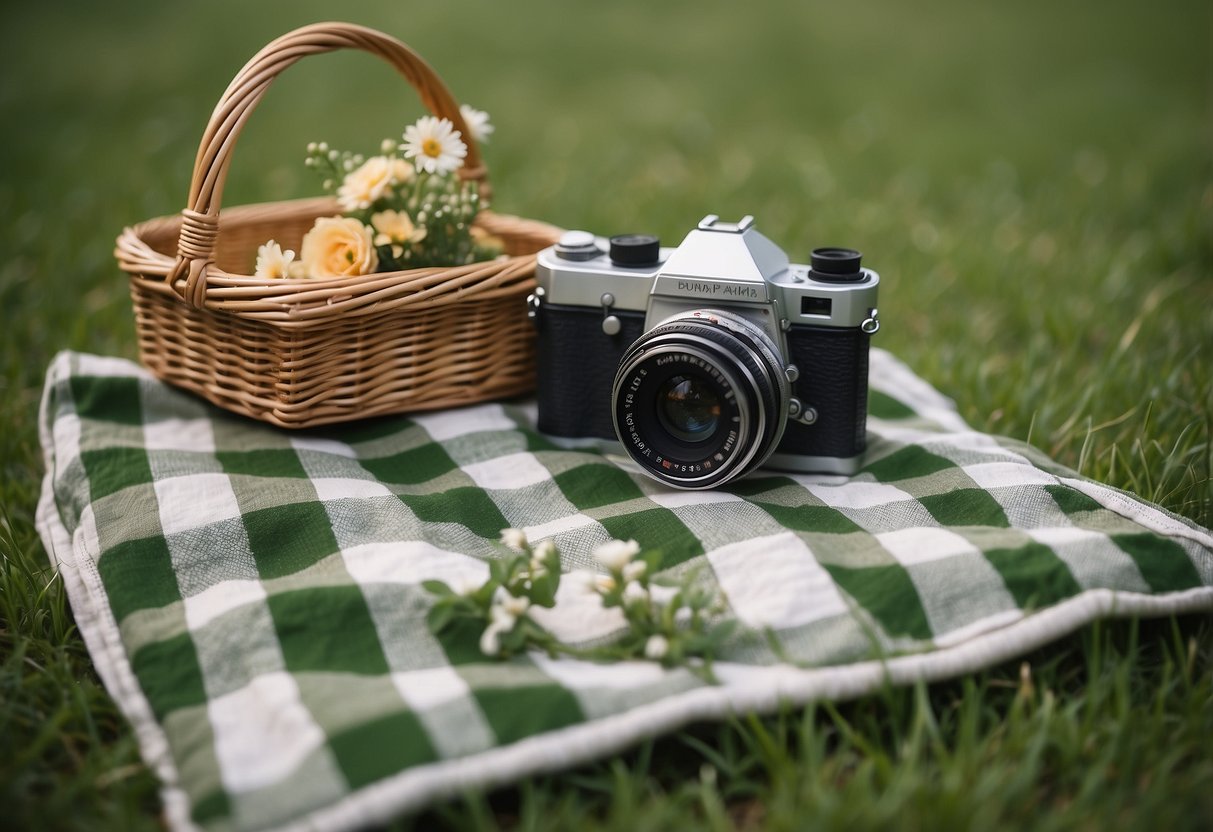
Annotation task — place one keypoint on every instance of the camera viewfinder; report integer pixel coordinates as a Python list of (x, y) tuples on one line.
[(815, 306), (835, 265)]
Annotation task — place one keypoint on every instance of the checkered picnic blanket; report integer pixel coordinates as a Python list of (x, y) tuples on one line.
[(252, 597)]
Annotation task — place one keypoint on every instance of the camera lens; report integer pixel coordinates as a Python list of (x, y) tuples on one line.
[(688, 408), (700, 398)]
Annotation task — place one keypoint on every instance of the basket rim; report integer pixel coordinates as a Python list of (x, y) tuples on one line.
[(302, 299)]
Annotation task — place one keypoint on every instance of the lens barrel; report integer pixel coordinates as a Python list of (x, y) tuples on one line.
[(700, 398)]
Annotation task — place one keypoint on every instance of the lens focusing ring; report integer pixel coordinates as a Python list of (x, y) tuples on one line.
[(721, 350)]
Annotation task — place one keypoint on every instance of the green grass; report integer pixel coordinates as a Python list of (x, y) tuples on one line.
[(1033, 181)]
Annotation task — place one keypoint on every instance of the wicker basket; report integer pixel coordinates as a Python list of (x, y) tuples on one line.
[(299, 353)]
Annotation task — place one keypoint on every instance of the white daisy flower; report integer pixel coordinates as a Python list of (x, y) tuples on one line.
[(434, 145), (477, 122), (616, 554), (273, 262)]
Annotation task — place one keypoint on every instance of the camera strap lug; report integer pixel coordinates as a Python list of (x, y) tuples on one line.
[(534, 301), (871, 324)]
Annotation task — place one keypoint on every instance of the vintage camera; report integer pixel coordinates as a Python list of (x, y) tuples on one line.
[(707, 360)]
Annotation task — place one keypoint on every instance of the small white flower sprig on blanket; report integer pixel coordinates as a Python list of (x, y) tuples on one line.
[(684, 629), (403, 209)]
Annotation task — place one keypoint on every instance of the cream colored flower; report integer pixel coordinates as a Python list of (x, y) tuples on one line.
[(515, 606), (434, 145), (586, 582), (634, 570), (514, 539), (490, 639), (402, 171), (634, 593), (656, 647), (338, 247), (477, 122), (616, 554), (395, 227), (273, 262), (499, 616), (371, 181), (582, 581)]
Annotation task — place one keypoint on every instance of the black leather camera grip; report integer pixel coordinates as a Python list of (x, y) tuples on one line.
[(577, 362), (833, 380)]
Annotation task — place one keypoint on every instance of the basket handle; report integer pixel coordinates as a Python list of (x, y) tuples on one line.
[(200, 218)]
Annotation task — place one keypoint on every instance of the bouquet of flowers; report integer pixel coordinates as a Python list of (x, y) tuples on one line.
[(404, 208)]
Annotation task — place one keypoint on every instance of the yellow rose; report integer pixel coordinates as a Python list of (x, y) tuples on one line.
[(395, 227), (338, 247), (402, 171), (486, 240), (371, 181)]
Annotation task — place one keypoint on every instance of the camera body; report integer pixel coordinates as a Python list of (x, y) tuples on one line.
[(707, 360)]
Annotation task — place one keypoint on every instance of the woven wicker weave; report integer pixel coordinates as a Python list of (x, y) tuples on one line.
[(299, 353)]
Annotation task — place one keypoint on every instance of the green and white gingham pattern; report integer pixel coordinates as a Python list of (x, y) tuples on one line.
[(252, 597)]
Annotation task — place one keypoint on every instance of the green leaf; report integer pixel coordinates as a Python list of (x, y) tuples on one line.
[(670, 610), (543, 590), (499, 570), (483, 597), (552, 561), (437, 588), (439, 617), (724, 630), (533, 630), (652, 561), (698, 598), (514, 640)]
